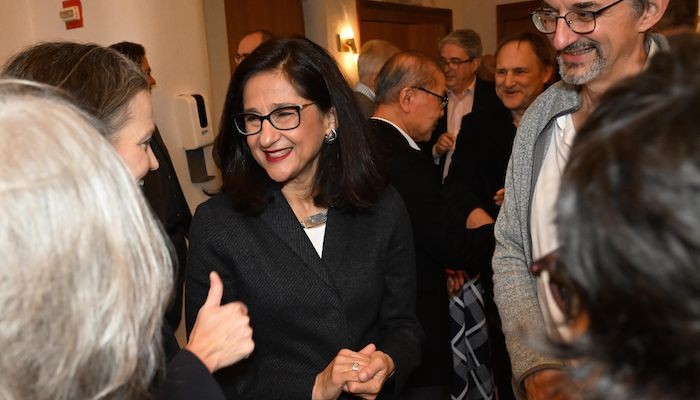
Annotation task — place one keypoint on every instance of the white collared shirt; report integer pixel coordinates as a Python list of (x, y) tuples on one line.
[(457, 107), (542, 217), (542, 214)]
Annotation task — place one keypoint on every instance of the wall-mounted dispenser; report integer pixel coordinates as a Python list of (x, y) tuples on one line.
[(193, 119)]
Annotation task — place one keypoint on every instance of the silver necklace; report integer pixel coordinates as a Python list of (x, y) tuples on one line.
[(315, 220)]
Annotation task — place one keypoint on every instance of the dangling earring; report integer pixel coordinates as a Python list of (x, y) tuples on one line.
[(331, 136)]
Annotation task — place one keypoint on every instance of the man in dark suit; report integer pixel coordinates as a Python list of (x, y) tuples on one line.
[(460, 58), (410, 99), (163, 192), (524, 65)]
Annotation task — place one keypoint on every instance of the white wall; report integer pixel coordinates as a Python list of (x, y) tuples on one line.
[(219, 67), (458, 7), (172, 31), (14, 21), (484, 21)]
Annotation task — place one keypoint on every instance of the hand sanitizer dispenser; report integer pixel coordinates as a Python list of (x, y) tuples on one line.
[(193, 120)]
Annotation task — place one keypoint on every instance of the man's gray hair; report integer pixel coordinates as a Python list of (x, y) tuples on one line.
[(467, 39), (406, 69), (373, 55)]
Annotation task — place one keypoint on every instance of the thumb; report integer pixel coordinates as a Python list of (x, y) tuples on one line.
[(216, 291), (369, 349)]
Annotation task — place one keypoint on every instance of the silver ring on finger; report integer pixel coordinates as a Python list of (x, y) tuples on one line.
[(355, 366)]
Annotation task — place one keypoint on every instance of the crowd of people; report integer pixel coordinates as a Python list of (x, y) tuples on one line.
[(429, 234)]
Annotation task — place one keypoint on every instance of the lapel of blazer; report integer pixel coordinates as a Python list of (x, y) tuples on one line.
[(479, 95), (340, 228), (281, 219)]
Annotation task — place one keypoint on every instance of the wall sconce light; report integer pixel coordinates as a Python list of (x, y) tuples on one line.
[(346, 41), (346, 45)]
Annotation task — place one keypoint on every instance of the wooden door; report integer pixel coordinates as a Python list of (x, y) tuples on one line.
[(408, 27), (281, 17), (515, 18)]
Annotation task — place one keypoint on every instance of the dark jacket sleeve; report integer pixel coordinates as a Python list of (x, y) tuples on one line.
[(400, 332), (480, 158), (186, 378)]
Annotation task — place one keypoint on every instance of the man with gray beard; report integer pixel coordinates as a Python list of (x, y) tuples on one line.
[(599, 42)]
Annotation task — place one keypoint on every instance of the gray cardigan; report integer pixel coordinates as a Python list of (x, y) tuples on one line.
[(514, 286)]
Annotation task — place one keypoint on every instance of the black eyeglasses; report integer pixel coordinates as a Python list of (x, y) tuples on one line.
[(283, 118), (454, 63), (563, 290), (580, 22), (443, 99)]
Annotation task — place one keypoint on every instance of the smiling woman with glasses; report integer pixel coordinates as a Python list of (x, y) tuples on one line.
[(307, 233), (283, 118)]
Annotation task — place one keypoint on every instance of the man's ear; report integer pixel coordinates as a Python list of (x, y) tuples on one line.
[(548, 74), (406, 99), (652, 14), (477, 62)]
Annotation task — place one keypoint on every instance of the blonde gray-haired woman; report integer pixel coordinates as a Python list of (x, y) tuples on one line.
[(84, 270), (114, 90)]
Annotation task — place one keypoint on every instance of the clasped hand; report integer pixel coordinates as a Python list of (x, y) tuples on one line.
[(361, 373)]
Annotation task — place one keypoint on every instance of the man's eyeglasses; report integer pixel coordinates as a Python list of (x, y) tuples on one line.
[(283, 118), (561, 287), (454, 63), (580, 22), (443, 99)]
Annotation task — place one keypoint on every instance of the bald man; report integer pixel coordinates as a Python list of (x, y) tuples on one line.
[(250, 42)]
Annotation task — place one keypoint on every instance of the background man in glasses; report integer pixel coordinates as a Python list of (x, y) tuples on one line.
[(410, 99), (599, 42), (250, 42), (460, 57)]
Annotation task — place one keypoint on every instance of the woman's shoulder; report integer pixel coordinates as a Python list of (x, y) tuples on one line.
[(217, 202), (217, 208), (387, 196)]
